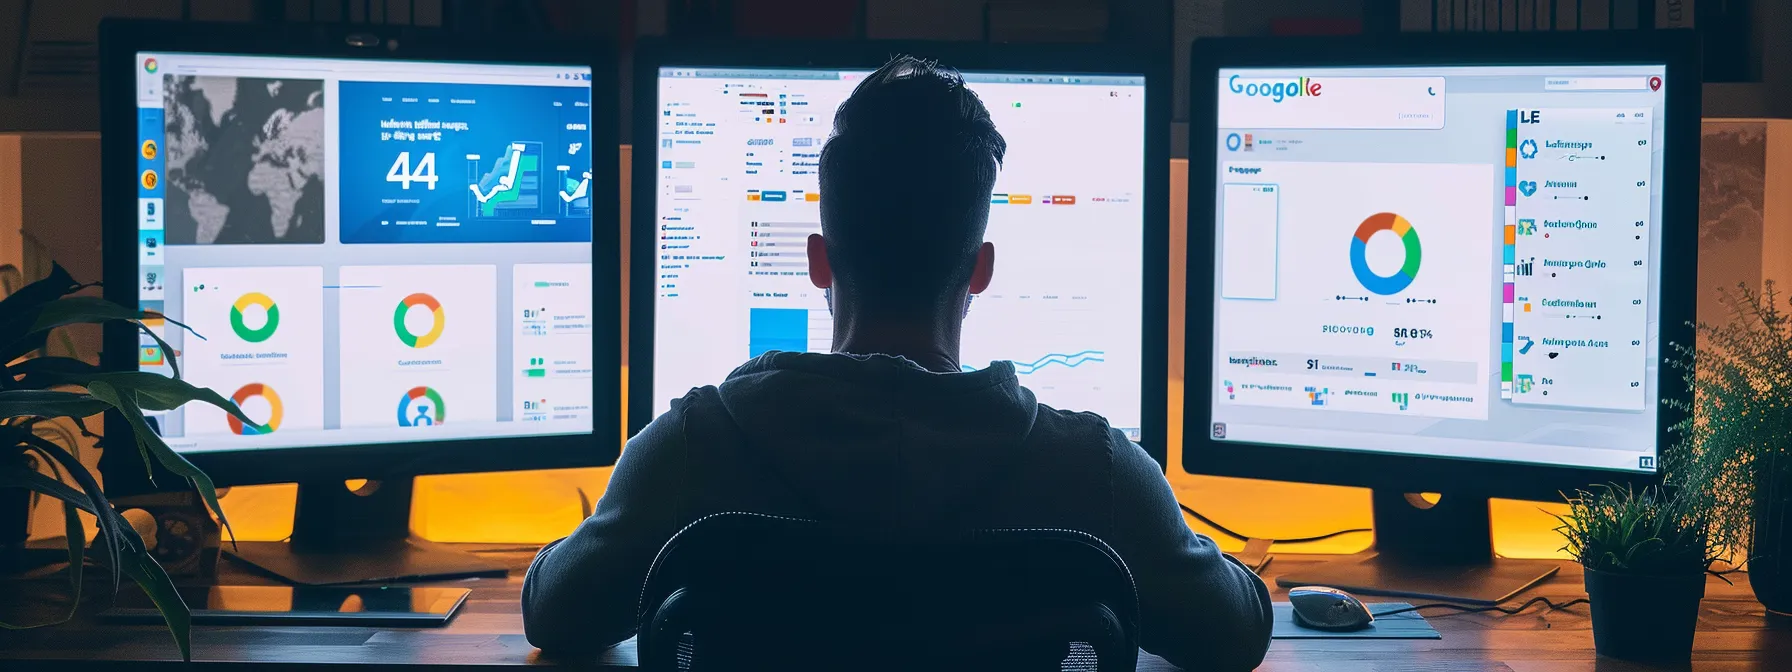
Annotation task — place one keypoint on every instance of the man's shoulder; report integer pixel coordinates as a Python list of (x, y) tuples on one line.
[(669, 428), (698, 398), (1082, 431), (1074, 430)]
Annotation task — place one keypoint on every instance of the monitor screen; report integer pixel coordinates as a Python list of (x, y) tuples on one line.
[(361, 245), (1456, 262), (737, 159)]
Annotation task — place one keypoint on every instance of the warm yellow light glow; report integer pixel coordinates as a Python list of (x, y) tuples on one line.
[(540, 506)]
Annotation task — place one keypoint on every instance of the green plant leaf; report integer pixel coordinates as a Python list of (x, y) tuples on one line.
[(29, 298), (95, 310), (1739, 417), (151, 443), (1648, 531), (77, 552), (167, 350), (35, 481), (48, 403), (155, 392), (88, 310), (151, 391), (76, 544), (21, 308), (73, 503), (38, 373), (155, 582), (106, 518)]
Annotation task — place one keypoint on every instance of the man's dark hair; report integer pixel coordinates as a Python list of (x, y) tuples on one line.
[(905, 185)]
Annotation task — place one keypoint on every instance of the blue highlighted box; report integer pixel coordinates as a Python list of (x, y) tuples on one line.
[(428, 162), (152, 146), (781, 329)]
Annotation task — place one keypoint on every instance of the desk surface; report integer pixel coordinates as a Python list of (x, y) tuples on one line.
[(1734, 635)]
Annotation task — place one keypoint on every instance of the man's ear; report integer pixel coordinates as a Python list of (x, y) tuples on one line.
[(820, 273), (984, 271)]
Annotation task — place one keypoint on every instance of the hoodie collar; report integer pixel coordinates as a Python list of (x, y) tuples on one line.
[(877, 368)]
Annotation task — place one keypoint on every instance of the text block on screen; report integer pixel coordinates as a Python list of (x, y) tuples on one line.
[(1248, 249)]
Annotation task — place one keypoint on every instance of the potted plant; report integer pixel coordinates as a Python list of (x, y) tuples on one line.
[(1645, 554), (35, 389), (1735, 456)]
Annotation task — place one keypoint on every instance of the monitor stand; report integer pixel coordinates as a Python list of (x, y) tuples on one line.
[(343, 536), (1425, 551)]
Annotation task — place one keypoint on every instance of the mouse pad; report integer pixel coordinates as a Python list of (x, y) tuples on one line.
[(1409, 625)]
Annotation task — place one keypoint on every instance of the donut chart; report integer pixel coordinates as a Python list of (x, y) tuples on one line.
[(1359, 257), (422, 399), (248, 392), (435, 330), (242, 329)]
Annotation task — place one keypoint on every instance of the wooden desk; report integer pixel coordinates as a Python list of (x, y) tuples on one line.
[(1734, 635)]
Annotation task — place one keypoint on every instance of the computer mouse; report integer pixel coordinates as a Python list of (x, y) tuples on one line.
[(1323, 608)]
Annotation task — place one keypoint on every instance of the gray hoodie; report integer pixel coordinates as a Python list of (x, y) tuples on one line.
[(880, 443)]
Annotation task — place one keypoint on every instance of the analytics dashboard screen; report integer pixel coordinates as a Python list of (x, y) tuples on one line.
[(1458, 262), (359, 246), (737, 198)]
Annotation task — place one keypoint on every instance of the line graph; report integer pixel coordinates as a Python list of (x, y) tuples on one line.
[(1069, 361), (505, 183), (514, 185)]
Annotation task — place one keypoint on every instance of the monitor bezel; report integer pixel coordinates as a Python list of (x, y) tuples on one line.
[(122, 40), (652, 55), (1677, 50)]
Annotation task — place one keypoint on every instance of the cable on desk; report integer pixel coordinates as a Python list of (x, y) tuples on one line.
[(1223, 530), (507, 549), (1509, 611)]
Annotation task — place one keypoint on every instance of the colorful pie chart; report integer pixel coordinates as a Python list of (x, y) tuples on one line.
[(251, 391), (437, 324), (421, 407), (1359, 253)]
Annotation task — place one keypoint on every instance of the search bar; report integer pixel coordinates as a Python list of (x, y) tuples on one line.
[(1596, 83), (1270, 100), (472, 71)]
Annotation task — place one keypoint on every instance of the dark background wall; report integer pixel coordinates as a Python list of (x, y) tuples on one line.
[(47, 69)]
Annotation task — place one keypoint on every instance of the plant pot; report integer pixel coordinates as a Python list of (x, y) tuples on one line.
[(15, 527), (1770, 551), (1644, 617)]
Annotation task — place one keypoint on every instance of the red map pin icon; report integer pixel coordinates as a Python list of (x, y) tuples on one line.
[(1654, 83)]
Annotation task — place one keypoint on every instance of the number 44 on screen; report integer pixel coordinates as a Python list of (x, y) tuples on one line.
[(402, 173)]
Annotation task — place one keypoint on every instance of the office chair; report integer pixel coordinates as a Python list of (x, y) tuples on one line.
[(753, 591)]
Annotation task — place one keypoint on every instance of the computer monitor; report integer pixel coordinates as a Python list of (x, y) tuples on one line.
[(727, 145), (1439, 264), (396, 251)]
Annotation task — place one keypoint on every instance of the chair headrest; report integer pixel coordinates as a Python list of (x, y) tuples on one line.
[(791, 556)]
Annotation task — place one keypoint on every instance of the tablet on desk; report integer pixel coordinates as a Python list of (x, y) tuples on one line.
[(380, 606)]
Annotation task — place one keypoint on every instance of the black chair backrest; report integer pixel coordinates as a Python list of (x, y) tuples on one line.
[(752, 591)]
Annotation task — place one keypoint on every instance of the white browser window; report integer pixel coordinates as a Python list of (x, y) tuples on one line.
[(738, 195), (367, 251), (1442, 261)]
